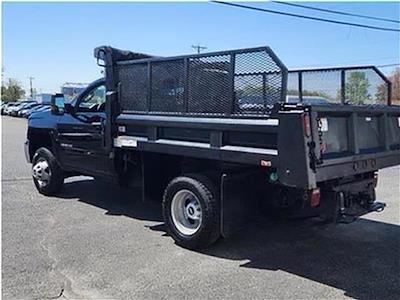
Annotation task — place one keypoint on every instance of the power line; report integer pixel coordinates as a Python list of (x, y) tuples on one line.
[(349, 62), (336, 12), (339, 64), (388, 65), (306, 17)]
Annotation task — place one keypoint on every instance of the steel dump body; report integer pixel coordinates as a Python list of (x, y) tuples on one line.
[(230, 107)]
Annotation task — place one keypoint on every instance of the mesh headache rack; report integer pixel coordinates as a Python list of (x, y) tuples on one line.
[(359, 85), (227, 83), (246, 82)]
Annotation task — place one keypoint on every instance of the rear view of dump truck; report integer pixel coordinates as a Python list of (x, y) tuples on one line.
[(218, 137)]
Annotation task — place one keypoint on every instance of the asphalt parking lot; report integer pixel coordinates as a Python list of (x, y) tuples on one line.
[(97, 241)]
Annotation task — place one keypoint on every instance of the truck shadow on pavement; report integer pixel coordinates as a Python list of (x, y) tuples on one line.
[(116, 200), (362, 258)]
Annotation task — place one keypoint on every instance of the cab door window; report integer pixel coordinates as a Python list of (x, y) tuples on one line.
[(94, 101)]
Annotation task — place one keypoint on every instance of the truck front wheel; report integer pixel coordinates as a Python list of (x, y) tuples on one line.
[(47, 175), (191, 211)]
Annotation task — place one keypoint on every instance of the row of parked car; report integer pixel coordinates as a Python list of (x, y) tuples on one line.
[(22, 109)]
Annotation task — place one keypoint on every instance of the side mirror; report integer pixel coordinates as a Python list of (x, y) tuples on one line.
[(68, 108), (57, 104)]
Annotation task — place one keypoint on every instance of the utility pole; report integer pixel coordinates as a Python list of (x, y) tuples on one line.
[(2, 76), (30, 84), (198, 48)]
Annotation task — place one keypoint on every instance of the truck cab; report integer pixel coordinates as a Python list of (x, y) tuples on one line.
[(74, 131)]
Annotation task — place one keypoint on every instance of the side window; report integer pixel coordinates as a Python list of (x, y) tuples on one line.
[(94, 101)]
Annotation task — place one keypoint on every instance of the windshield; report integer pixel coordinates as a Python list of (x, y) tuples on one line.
[(70, 98)]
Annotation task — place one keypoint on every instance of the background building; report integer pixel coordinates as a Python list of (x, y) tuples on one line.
[(44, 98), (72, 89)]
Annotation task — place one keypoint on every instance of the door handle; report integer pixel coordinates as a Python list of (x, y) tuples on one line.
[(78, 127), (76, 134), (99, 126)]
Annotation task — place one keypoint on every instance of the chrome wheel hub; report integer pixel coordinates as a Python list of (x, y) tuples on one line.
[(186, 212), (41, 172)]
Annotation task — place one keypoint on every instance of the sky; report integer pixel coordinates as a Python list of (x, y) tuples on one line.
[(54, 42)]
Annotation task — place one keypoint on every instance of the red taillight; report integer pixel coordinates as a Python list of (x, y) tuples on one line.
[(307, 125), (315, 197)]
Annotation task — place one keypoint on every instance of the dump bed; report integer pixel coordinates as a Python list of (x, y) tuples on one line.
[(358, 128), (232, 107)]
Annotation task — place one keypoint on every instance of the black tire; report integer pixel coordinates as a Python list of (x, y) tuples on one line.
[(56, 181), (204, 190)]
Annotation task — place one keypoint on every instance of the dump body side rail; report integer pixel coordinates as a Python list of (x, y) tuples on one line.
[(276, 144), (344, 85)]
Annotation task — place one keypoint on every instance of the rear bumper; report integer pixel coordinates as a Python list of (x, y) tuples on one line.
[(352, 165), (26, 151)]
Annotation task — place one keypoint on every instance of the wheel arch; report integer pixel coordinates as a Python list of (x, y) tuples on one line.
[(159, 169), (39, 137)]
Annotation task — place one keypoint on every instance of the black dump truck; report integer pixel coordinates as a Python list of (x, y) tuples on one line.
[(219, 137)]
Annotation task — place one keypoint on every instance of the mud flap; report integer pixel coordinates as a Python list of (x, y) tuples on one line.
[(238, 202)]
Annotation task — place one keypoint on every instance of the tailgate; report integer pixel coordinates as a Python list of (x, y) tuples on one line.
[(354, 139)]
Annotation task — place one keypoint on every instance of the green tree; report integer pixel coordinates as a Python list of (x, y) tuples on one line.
[(12, 91), (356, 88)]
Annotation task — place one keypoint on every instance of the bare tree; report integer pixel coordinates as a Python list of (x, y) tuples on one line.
[(382, 91), (395, 79)]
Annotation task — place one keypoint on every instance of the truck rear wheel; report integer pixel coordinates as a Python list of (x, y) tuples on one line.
[(47, 175), (191, 211)]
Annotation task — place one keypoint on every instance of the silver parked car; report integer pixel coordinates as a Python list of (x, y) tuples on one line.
[(5, 110), (36, 109), (13, 111), (28, 106)]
